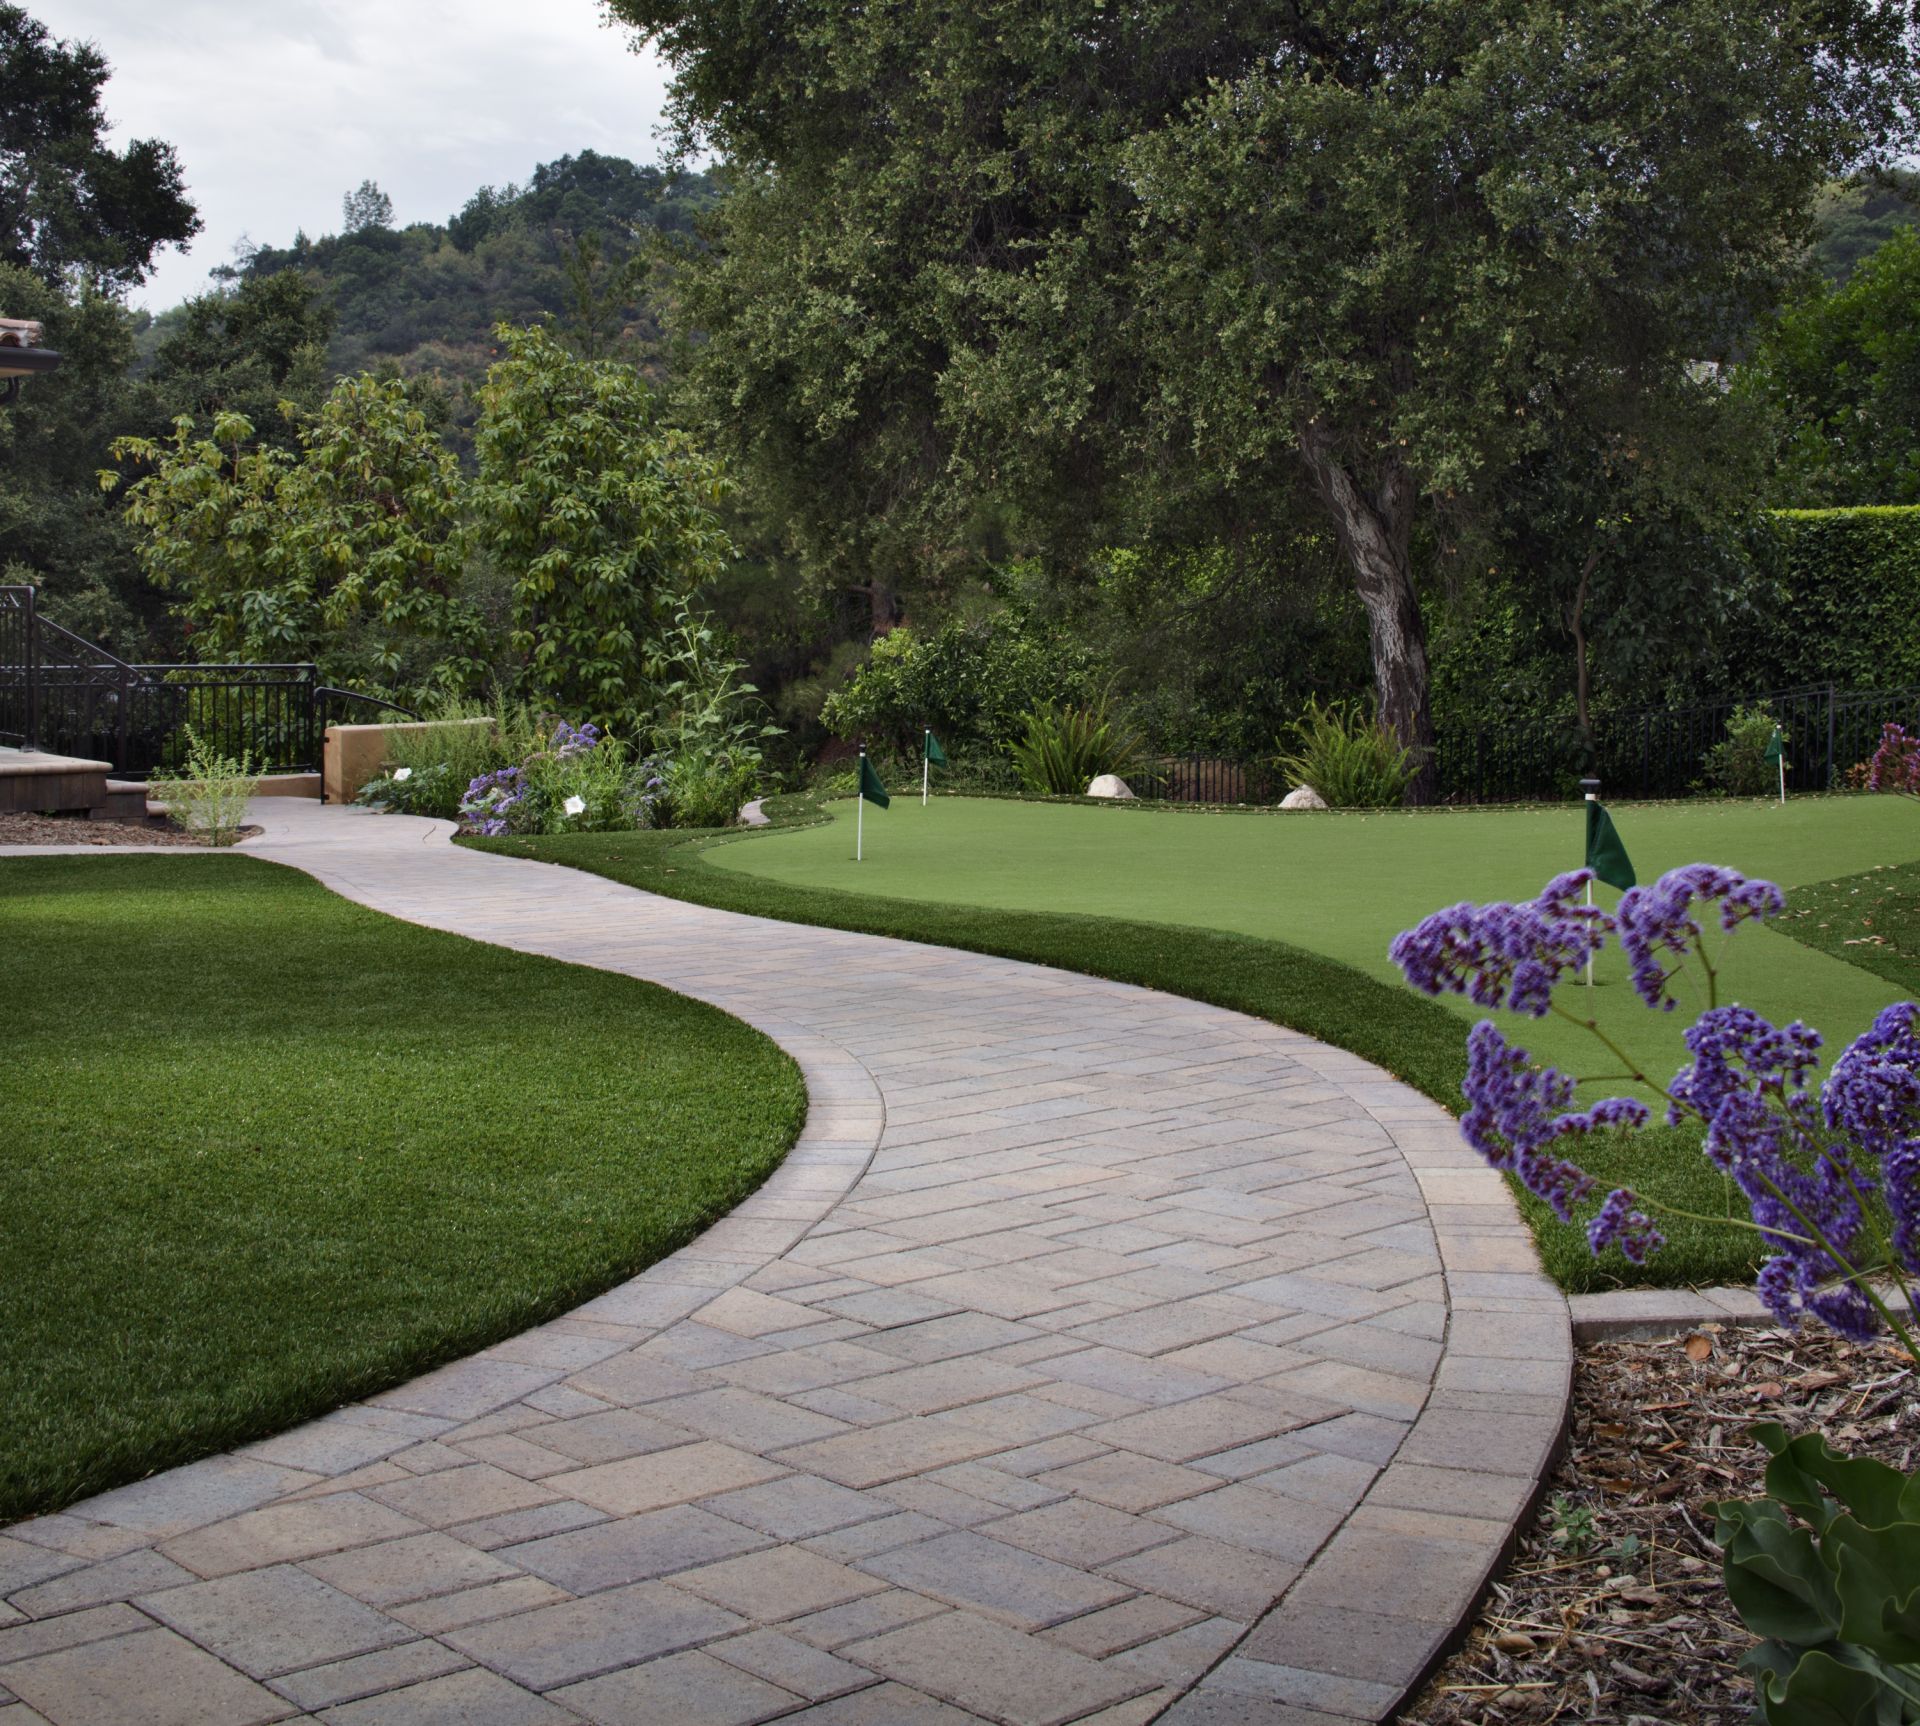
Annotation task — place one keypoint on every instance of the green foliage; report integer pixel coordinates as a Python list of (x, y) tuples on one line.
[(1738, 763), (69, 205), (1856, 216), (426, 297), (434, 790), (1839, 600), (337, 551), (973, 680), (1826, 1569), (57, 532), (702, 790), (209, 796), (1350, 758), (598, 516), (1066, 748), (1841, 370), (245, 349), (1078, 268)]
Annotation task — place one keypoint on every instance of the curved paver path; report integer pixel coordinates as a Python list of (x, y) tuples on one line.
[(1096, 1355)]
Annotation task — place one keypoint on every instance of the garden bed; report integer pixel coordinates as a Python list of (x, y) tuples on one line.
[(1613, 1609), (79, 830)]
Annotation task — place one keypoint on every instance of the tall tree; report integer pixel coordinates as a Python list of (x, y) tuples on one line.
[(1084, 251), (70, 205)]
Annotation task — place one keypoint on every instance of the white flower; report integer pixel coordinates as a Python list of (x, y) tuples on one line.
[(400, 773), (575, 806)]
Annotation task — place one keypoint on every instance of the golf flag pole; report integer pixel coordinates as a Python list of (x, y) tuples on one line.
[(926, 764), (1606, 857), (1777, 754), (870, 791)]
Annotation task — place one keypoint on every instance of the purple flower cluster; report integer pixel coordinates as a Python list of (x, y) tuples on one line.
[(1516, 1110), (1873, 1096), (1504, 955), (1808, 1166), (1658, 920), (1896, 763), (571, 740), (489, 798)]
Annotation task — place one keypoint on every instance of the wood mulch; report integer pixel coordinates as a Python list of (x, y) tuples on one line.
[(1613, 1608), (78, 830)]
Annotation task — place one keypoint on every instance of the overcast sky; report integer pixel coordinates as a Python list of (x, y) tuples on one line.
[(278, 107)]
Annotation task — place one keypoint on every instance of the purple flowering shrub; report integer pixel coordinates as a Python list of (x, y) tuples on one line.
[(1810, 1164), (1895, 765)]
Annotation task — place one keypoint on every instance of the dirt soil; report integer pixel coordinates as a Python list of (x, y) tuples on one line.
[(1613, 1608), (78, 830)]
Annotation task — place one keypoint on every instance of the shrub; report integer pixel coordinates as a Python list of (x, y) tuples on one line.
[(1353, 761), (1896, 763), (1837, 1601), (974, 680), (208, 799), (1738, 764), (1067, 747), (434, 791)]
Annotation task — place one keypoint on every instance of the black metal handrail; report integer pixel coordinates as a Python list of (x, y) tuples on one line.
[(69, 696)]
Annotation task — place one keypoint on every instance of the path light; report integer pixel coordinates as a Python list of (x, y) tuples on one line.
[(21, 356)]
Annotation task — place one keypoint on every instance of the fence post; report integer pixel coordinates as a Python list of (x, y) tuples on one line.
[(32, 739)]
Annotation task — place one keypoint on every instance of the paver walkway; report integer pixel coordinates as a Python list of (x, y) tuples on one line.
[(1095, 1356)]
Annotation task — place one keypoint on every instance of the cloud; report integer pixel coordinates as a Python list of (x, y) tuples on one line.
[(277, 109)]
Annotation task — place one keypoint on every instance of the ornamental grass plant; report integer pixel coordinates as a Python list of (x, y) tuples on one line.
[(1066, 748), (1351, 758)]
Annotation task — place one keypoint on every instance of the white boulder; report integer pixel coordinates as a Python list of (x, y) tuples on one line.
[(1303, 797), (1109, 785)]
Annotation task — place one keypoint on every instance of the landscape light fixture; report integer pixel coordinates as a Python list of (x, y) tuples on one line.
[(21, 356)]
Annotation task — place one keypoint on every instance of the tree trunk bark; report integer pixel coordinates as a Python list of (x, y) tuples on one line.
[(1577, 623), (883, 607), (1374, 529)]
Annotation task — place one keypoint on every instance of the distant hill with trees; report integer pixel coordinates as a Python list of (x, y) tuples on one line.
[(426, 297)]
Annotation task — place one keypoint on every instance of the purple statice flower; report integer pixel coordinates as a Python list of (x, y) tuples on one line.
[(1873, 1096), (1735, 1051), (1657, 921), (1896, 763), (1502, 955), (489, 797), (1621, 1223), (571, 740), (1517, 1113)]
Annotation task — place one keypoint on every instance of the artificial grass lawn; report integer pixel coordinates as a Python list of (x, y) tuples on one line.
[(1288, 918), (1871, 920), (265, 1151)]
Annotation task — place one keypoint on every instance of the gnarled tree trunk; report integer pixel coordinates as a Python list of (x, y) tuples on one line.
[(1374, 527)]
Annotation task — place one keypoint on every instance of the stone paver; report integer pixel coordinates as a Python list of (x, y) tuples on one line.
[(1094, 1356)]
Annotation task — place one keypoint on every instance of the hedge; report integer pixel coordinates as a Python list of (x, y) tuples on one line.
[(1838, 600)]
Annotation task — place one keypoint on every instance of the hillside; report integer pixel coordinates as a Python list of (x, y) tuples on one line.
[(425, 298)]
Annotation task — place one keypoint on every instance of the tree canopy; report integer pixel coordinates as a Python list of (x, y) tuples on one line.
[(1109, 261), (70, 204)]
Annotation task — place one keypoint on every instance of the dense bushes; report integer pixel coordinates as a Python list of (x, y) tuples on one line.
[(1839, 601)]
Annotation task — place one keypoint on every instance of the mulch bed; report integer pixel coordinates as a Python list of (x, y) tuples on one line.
[(1613, 1608), (78, 830)]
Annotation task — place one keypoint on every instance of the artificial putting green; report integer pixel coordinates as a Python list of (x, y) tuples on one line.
[(265, 1151), (1343, 884)]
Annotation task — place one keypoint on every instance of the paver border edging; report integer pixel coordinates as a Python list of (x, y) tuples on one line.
[(1490, 1398)]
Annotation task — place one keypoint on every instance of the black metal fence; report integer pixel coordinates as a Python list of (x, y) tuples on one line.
[(1206, 779), (1664, 752), (67, 696)]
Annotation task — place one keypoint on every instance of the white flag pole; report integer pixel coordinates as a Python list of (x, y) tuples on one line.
[(926, 766), (1783, 772), (1593, 796), (860, 805)]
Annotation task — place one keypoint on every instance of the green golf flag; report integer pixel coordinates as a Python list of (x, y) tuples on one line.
[(1776, 746), (1606, 856), (935, 753), (870, 787)]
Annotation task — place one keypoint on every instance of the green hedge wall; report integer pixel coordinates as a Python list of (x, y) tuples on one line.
[(1837, 600)]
